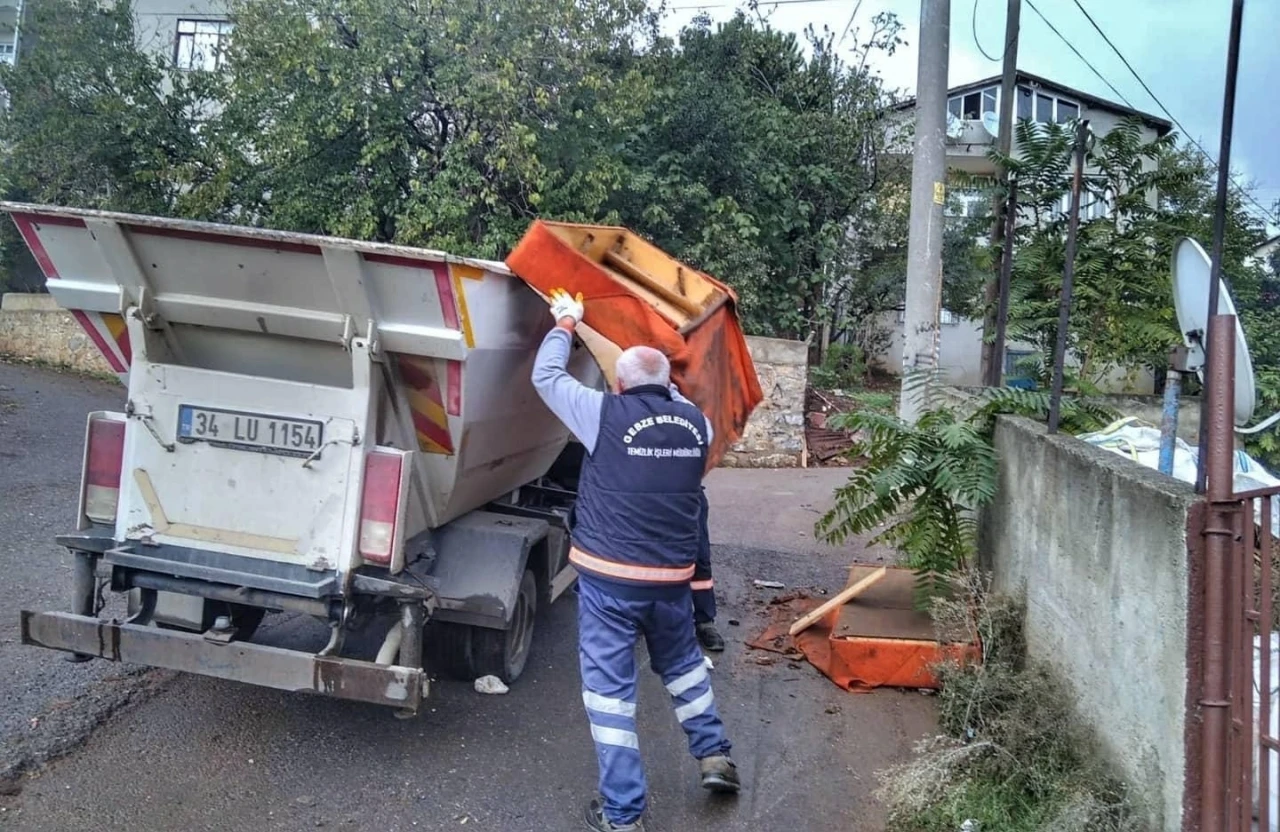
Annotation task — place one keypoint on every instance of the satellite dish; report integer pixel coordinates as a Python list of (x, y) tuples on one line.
[(955, 127), (991, 122), (1191, 269)]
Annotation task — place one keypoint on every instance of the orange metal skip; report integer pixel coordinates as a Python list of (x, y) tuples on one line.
[(710, 361)]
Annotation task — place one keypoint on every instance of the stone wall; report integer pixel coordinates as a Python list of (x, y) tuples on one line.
[(774, 437), (33, 328), (1098, 547)]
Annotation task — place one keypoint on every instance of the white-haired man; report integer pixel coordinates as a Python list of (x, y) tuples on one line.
[(635, 537)]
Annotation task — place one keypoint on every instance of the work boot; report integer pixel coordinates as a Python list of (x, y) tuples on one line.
[(596, 820), (720, 775), (709, 637)]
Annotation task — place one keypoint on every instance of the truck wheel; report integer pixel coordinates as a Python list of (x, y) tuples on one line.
[(467, 653), (504, 653)]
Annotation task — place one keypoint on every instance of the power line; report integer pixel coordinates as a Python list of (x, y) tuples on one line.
[(1072, 47), (1008, 44), (1242, 192), (977, 42)]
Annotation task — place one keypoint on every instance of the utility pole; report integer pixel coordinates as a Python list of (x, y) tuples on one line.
[(1068, 276), (993, 350), (928, 195)]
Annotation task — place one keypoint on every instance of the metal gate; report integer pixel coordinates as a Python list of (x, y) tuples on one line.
[(1253, 665)]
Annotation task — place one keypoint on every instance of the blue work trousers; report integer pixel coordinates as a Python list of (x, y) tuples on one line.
[(608, 628)]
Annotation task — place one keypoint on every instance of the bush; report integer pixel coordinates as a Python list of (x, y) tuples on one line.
[(845, 367), (1014, 757)]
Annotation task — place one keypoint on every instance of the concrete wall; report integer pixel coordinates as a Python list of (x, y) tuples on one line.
[(959, 351), (33, 328), (1097, 545), (774, 437), (960, 357)]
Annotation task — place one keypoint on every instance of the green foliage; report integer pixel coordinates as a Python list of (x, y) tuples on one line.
[(879, 402), (95, 122), (1015, 756), (844, 368), (1121, 315), (450, 125), (1189, 212), (92, 122), (453, 125), (764, 167), (926, 480), (928, 476)]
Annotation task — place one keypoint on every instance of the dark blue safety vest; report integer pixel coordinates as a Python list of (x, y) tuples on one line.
[(638, 516)]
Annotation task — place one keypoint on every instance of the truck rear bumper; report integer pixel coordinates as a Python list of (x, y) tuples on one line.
[(256, 664)]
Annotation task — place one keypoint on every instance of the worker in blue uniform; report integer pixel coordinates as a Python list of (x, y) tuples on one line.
[(635, 538)]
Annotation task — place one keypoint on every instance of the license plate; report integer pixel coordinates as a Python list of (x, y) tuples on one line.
[(249, 431)]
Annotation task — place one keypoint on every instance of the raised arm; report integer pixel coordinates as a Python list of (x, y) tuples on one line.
[(575, 404)]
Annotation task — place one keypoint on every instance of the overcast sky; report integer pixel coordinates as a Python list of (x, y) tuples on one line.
[(1179, 48)]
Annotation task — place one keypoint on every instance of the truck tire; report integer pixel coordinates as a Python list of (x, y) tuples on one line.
[(467, 653)]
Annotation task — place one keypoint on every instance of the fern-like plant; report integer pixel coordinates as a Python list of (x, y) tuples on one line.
[(927, 480)]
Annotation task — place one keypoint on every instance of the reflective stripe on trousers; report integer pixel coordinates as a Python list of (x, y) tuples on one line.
[(608, 628)]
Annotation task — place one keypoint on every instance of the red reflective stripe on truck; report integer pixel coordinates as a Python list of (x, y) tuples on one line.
[(99, 340), (444, 287), (26, 227), (454, 391), (116, 326)]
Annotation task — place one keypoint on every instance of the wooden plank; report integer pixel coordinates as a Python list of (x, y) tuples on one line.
[(639, 275), (846, 595)]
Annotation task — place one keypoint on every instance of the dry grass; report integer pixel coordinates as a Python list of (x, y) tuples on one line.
[(1014, 757)]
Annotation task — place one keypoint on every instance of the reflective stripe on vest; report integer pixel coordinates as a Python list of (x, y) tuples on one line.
[(630, 572), (697, 586)]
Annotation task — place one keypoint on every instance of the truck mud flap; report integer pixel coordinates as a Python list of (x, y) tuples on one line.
[(255, 664)]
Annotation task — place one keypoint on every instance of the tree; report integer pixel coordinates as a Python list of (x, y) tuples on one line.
[(762, 166), (93, 121), (1122, 313), (442, 124)]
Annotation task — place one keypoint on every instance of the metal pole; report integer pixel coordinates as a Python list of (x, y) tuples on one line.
[(1068, 274), (1219, 223), (1169, 420), (1219, 534), (1006, 275), (993, 356), (928, 194)]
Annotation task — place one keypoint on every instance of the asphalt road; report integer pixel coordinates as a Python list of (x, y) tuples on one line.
[(155, 751)]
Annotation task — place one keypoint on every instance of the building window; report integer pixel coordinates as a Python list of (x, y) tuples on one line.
[(946, 317), (1033, 105), (201, 44), (1092, 205), (972, 105), (7, 52)]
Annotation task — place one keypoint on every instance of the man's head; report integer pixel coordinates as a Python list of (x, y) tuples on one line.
[(640, 366)]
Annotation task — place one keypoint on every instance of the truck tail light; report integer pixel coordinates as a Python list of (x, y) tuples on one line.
[(382, 504), (104, 458)]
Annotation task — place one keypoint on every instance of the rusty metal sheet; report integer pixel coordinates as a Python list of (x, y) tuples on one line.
[(238, 661)]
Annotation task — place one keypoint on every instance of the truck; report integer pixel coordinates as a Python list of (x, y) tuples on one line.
[(335, 428)]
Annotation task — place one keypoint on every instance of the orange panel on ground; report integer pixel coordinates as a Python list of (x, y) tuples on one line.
[(859, 663)]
